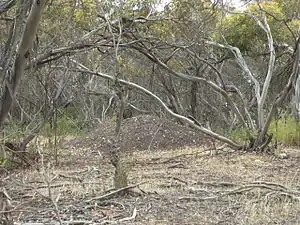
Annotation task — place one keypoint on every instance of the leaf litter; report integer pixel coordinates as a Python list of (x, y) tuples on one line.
[(182, 182)]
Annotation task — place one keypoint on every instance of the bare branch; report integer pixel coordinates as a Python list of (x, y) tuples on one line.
[(213, 85), (5, 5), (233, 144), (270, 72), (242, 63), (260, 95)]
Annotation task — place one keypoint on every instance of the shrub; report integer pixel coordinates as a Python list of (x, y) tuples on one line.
[(64, 126), (240, 135), (286, 130)]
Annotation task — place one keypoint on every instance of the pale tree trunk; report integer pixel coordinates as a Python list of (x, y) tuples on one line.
[(263, 126), (282, 95), (297, 96), (260, 94), (12, 82), (262, 99), (15, 35)]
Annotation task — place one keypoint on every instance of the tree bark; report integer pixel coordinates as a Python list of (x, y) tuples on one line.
[(11, 84), (282, 95)]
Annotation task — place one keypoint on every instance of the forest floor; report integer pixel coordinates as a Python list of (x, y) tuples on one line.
[(173, 186)]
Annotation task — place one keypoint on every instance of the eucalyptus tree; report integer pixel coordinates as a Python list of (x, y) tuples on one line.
[(175, 57), (20, 40), (172, 52)]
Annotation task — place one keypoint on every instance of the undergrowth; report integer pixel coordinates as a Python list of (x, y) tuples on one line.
[(240, 135), (64, 126), (285, 130)]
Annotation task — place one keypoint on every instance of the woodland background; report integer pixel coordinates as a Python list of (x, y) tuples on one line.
[(214, 75)]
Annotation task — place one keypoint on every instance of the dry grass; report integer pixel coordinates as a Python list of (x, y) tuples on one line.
[(186, 186)]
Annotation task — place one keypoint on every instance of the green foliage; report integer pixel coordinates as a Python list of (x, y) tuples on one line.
[(191, 19), (129, 8), (196, 17), (114, 118), (129, 67), (243, 32), (81, 14), (291, 8), (4, 162), (175, 64), (240, 135), (67, 123), (164, 29), (69, 112), (85, 13), (191, 10), (65, 126), (286, 130), (14, 130)]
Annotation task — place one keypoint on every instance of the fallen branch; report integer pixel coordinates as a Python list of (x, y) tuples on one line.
[(274, 187), (131, 217), (115, 192), (27, 188), (216, 184)]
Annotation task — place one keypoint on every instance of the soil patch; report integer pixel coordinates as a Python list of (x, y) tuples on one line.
[(143, 132)]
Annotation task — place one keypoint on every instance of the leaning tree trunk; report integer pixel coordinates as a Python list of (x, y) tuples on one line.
[(282, 95), (12, 82)]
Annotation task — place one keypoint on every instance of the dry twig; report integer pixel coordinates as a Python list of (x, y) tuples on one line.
[(115, 192), (273, 187)]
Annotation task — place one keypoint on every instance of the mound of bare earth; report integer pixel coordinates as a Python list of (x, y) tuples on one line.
[(143, 132)]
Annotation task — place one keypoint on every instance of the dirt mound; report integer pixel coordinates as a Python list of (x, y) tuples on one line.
[(144, 132)]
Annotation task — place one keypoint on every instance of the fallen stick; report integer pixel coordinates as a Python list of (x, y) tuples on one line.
[(61, 185), (278, 188), (131, 217), (115, 192)]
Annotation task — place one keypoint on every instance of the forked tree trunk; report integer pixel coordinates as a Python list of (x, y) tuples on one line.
[(281, 96)]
